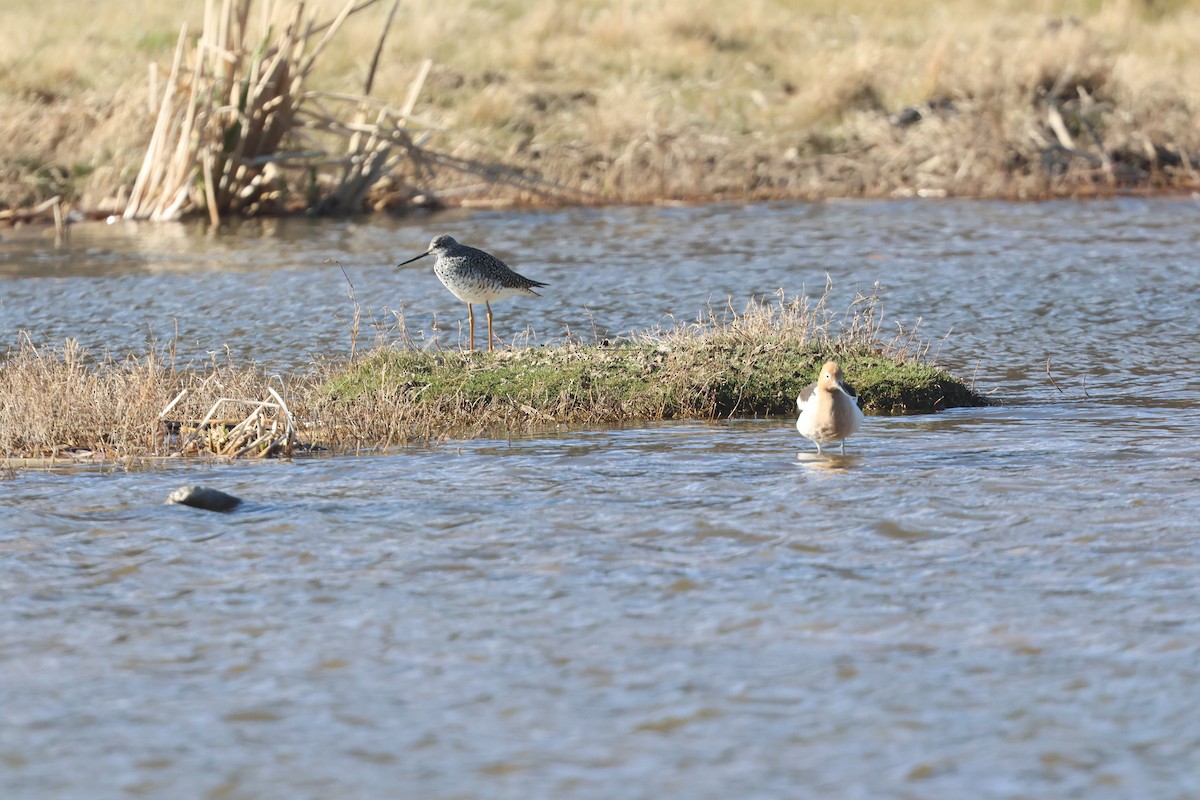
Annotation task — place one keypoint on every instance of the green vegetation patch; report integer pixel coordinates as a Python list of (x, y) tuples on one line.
[(702, 378)]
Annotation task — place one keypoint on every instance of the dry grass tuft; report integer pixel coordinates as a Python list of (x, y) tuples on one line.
[(64, 401), (60, 400)]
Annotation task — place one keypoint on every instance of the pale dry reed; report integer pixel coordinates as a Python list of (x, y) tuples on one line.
[(234, 110)]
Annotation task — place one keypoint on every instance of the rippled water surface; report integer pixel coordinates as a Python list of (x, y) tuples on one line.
[(992, 603)]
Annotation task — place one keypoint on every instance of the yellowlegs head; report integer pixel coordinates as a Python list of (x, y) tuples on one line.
[(440, 245)]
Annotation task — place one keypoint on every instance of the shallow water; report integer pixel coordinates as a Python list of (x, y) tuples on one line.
[(990, 603)]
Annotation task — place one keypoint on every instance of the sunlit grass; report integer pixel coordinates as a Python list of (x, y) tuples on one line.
[(634, 100)]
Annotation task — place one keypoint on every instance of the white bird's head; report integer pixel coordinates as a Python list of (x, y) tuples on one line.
[(831, 378)]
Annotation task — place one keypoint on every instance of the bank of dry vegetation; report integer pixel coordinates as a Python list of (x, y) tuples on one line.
[(62, 401), (609, 101)]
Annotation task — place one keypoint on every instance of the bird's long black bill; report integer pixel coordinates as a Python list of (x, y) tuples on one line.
[(414, 258)]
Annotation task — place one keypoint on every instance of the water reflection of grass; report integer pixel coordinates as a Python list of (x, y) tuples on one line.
[(61, 399)]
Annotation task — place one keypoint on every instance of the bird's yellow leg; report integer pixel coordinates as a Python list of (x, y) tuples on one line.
[(471, 316), (489, 308)]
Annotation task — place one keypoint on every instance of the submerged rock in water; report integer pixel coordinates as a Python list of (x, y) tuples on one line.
[(205, 498)]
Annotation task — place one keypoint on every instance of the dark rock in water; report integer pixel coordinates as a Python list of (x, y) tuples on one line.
[(911, 115), (203, 497), (906, 117)]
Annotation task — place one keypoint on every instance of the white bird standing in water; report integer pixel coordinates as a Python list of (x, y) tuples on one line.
[(474, 276), (828, 409)]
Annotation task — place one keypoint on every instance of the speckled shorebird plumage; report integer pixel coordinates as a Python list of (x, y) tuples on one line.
[(828, 408), (474, 276)]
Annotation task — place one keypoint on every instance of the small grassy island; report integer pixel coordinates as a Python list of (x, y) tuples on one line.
[(60, 402), (582, 384)]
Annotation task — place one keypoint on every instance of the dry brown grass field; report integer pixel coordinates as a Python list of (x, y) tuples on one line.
[(650, 100)]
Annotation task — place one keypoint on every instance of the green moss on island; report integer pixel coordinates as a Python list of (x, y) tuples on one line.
[(637, 381)]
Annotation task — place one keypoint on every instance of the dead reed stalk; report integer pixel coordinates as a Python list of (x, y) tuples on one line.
[(268, 430), (236, 116)]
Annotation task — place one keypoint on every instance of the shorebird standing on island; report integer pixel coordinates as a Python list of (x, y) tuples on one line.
[(828, 408), (474, 276)]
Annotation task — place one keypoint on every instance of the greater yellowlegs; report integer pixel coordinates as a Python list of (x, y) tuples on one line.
[(474, 276), (828, 408)]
